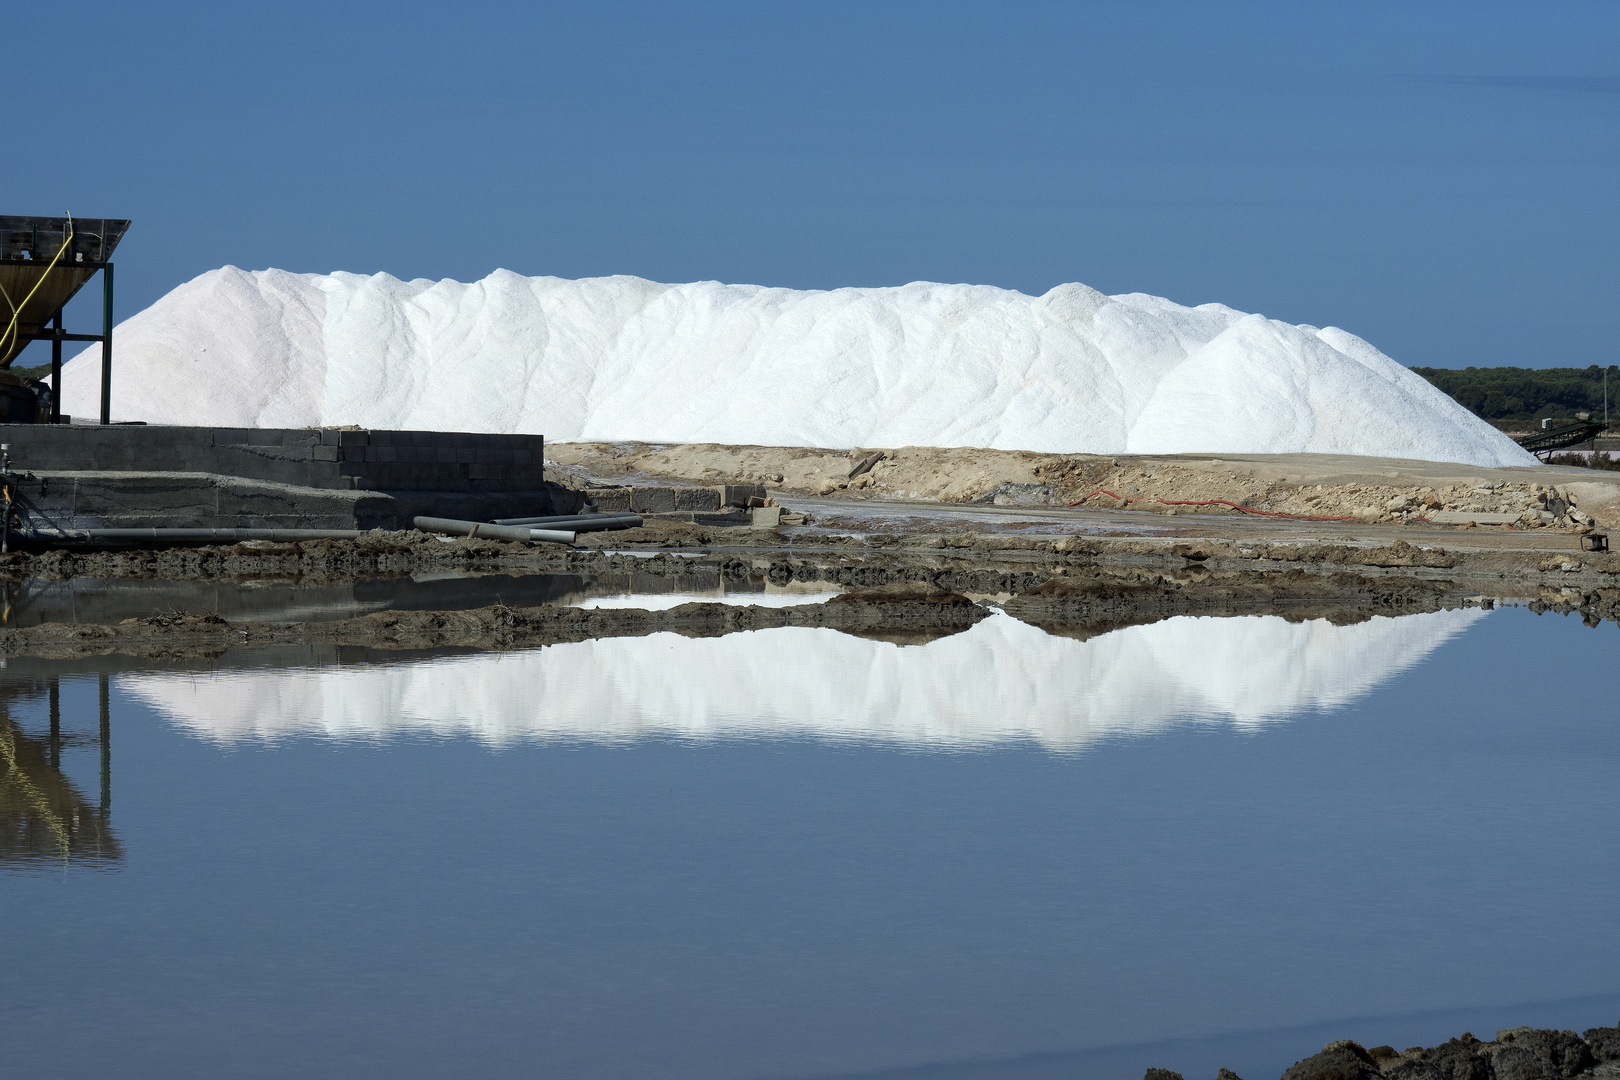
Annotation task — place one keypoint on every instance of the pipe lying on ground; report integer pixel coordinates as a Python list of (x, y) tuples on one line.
[(577, 522), (183, 536), (484, 530)]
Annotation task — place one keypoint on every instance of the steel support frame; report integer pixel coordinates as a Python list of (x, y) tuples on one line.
[(56, 336)]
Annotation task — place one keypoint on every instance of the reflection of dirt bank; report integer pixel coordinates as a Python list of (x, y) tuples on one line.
[(897, 599)]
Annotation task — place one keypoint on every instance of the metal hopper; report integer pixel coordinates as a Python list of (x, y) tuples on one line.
[(44, 261)]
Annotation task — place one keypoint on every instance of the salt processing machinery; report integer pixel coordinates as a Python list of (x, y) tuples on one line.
[(44, 261)]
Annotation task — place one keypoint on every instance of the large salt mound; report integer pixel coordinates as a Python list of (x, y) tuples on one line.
[(623, 358)]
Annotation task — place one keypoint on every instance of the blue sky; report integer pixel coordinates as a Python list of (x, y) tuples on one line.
[(1440, 178)]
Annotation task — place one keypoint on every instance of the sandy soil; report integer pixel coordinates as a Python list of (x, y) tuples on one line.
[(1364, 489)]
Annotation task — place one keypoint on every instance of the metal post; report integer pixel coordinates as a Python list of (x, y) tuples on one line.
[(106, 342), (56, 369), (56, 724), (106, 751)]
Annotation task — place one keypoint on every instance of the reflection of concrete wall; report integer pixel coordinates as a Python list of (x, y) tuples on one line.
[(109, 600), (1002, 680)]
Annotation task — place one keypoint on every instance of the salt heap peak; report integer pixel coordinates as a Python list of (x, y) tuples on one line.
[(1073, 371)]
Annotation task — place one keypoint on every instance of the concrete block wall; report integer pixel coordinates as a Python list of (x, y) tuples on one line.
[(666, 500), (329, 458)]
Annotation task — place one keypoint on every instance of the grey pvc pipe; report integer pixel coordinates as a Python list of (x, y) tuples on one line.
[(577, 522), (486, 531)]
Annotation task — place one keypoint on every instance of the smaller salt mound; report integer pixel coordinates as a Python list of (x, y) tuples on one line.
[(923, 364)]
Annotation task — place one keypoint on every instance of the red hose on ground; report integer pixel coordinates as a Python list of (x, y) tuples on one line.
[(1247, 509), (1099, 491)]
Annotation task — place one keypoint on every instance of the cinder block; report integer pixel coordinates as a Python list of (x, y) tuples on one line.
[(476, 471), (699, 499), (329, 436), (610, 500), (739, 494), (324, 452), (766, 517), (464, 456), (353, 438), (353, 453), (652, 500)]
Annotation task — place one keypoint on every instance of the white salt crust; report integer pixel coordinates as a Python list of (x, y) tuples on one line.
[(615, 358)]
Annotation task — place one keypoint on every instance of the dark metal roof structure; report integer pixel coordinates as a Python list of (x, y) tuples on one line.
[(42, 265)]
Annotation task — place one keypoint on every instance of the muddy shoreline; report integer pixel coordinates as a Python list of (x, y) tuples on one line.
[(1060, 577)]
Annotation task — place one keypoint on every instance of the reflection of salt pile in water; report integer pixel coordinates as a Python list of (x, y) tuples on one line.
[(625, 358), (1003, 680)]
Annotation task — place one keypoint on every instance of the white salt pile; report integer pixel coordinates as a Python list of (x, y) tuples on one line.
[(1072, 371), (1001, 681)]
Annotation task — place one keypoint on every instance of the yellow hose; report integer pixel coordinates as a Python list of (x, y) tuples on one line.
[(16, 309)]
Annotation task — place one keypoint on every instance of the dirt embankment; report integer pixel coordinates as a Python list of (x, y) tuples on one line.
[(1313, 485), (960, 561)]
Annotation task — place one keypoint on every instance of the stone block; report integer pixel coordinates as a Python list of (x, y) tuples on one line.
[(765, 517), (739, 494), (698, 499), (610, 500), (324, 452), (353, 438), (329, 436), (652, 500)]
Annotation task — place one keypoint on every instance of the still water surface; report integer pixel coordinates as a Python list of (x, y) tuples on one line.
[(799, 853)]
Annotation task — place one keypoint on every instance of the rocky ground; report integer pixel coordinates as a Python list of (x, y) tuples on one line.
[(1517, 1054)]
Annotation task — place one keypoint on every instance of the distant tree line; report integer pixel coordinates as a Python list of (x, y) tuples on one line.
[(1528, 394)]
